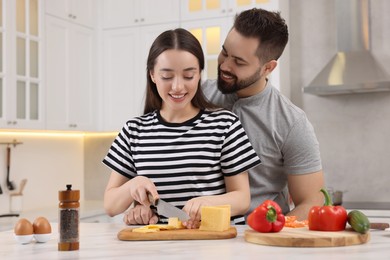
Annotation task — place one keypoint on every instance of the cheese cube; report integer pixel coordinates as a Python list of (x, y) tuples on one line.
[(175, 223), (215, 218)]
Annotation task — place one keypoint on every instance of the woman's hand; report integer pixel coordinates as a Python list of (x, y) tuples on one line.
[(192, 208), (140, 187), (140, 215)]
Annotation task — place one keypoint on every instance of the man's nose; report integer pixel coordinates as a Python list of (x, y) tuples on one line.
[(225, 64)]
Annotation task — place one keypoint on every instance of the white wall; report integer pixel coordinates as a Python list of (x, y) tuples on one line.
[(95, 172), (48, 162)]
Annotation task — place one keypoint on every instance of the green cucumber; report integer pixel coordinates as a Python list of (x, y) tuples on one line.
[(358, 221)]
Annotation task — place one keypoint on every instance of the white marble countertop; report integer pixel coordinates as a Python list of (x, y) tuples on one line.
[(99, 241)]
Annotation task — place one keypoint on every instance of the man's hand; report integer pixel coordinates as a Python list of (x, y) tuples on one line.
[(140, 215)]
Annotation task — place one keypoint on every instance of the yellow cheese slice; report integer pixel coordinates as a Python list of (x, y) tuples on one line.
[(215, 218), (173, 223)]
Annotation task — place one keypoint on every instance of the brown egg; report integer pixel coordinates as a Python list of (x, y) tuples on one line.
[(23, 227), (41, 226)]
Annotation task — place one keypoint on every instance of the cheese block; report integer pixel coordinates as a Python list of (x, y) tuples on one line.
[(215, 218)]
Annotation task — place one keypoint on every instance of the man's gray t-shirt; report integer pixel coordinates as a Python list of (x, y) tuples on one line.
[(281, 135)]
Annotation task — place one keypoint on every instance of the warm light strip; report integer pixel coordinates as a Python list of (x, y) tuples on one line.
[(56, 133)]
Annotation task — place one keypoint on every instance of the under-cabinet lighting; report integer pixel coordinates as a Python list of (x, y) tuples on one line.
[(56, 133)]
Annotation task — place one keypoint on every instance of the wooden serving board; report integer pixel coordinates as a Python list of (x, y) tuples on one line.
[(178, 234), (303, 237)]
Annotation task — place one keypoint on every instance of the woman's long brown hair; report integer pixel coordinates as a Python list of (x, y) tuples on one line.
[(179, 39)]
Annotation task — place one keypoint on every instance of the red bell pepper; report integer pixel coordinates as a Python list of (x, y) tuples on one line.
[(267, 217), (327, 217)]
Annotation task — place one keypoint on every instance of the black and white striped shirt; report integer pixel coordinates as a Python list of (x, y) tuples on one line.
[(183, 160)]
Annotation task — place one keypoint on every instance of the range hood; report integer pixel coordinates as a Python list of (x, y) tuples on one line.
[(353, 69)]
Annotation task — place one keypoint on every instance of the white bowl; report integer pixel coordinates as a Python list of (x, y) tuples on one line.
[(23, 239), (42, 238)]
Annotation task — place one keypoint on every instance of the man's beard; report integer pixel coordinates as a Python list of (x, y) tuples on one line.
[(229, 88)]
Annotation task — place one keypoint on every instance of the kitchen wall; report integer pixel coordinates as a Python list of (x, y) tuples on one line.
[(49, 161), (353, 130), (96, 173)]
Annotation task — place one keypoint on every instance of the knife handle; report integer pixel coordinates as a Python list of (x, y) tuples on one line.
[(153, 201), (380, 226)]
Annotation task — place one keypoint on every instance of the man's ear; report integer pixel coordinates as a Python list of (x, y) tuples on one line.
[(269, 67)]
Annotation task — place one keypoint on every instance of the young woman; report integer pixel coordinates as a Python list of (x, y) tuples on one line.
[(183, 149)]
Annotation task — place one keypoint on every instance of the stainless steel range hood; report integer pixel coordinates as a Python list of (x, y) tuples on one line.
[(353, 69)]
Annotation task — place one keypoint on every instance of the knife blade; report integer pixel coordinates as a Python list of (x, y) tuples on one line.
[(168, 210)]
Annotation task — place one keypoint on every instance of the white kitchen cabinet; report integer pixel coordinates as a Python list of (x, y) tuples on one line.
[(21, 88), (204, 9), (125, 13), (124, 68), (70, 54), (82, 12)]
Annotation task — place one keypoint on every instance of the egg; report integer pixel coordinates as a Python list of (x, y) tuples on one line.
[(41, 226), (23, 227)]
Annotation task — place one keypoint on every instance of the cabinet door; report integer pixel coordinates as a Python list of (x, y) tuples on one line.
[(21, 75), (83, 12), (57, 80), (81, 88), (158, 12), (58, 8), (119, 13), (204, 9), (69, 70), (125, 72), (121, 77), (124, 13), (79, 12)]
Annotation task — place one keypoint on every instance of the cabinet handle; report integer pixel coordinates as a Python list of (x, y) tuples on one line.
[(12, 122), (142, 19), (72, 125)]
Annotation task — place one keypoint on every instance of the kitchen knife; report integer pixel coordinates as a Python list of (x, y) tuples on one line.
[(168, 210)]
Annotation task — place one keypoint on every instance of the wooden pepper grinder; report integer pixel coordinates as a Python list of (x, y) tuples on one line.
[(69, 218)]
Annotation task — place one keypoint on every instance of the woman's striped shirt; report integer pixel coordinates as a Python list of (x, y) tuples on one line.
[(185, 160)]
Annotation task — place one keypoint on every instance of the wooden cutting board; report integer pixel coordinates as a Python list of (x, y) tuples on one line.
[(303, 237), (179, 234)]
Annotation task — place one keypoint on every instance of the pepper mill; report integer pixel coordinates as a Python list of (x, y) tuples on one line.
[(68, 219)]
